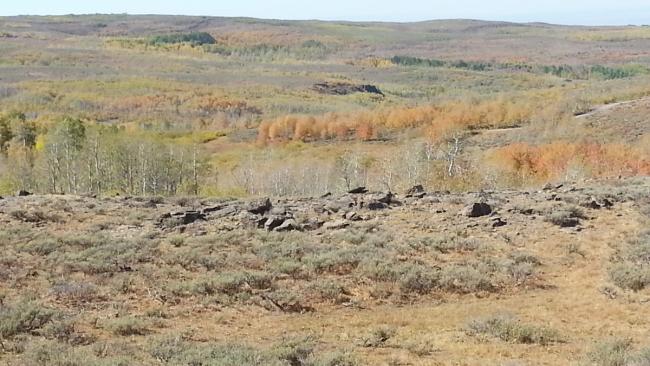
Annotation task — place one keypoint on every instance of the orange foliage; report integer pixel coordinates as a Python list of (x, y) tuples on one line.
[(367, 125), (552, 161)]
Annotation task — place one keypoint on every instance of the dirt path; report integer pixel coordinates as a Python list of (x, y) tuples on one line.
[(606, 107)]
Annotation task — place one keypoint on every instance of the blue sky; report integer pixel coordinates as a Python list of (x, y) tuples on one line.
[(553, 11)]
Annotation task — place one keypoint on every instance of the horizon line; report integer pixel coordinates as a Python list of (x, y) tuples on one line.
[(346, 20)]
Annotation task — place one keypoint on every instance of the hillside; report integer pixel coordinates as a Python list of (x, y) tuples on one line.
[(542, 277), (258, 98)]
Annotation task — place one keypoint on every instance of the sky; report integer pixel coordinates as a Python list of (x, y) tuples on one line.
[(587, 12)]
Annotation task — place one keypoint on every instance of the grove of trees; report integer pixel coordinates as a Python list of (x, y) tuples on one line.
[(81, 158)]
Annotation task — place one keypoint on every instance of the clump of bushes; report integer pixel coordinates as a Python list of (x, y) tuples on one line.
[(617, 352), (23, 317), (127, 326), (633, 270), (630, 276), (178, 351), (509, 329), (378, 337), (566, 217), (194, 38)]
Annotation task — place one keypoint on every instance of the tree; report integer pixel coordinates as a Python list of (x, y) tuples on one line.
[(63, 150), (25, 134), (5, 134)]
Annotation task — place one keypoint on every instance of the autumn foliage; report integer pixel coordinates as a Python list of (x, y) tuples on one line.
[(529, 163), (369, 125)]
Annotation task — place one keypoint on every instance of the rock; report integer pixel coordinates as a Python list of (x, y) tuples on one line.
[(180, 218), (287, 225), (259, 207), (591, 204), (313, 224), (345, 88), (358, 190), (526, 211), (23, 193), (550, 187), (389, 199), (352, 216), (281, 211), (223, 212), (607, 203), (477, 209), (336, 224), (212, 209), (273, 222), (416, 191), (326, 195), (498, 222), (376, 205)]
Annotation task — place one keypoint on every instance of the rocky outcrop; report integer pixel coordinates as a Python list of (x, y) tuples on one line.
[(477, 209), (175, 219), (345, 88)]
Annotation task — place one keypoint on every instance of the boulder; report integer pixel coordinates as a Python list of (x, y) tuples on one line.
[(180, 218), (376, 205), (313, 224), (273, 222), (358, 190), (336, 224), (498, 222), (259, 207), (219, 213), (287, 225), (212, 209), (477, 209), (389, 199), (23, 193), (416, 191), (352, 216)]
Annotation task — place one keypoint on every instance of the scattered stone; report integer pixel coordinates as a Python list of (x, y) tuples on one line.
[(376, 205), (180, 218), (273, 222), (477, 209), (358, 190), (550, 186), (592, 204), (336, 224), (223, 212), (352, 216), (498, 222), (278, 211), (212, 209), (23, 193), (345, 88), (312, 224), (607, 203), (287, 225), (389, 199), (259, 207), (416, 192)]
